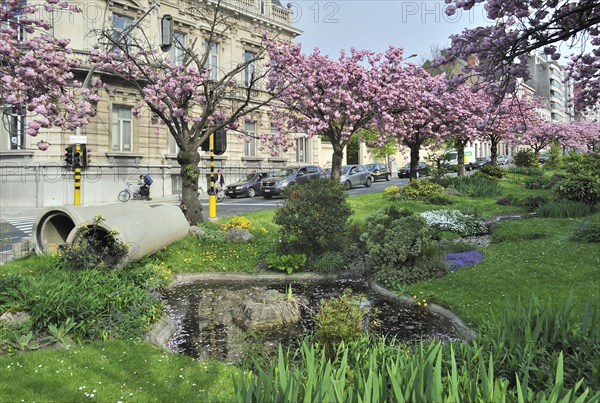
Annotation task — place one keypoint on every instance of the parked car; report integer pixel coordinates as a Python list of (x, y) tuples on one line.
[(543, 158), (248, 185), (285, 177), (422, 170), (503, 160), (482, 161), (355, 175), (379, 171)]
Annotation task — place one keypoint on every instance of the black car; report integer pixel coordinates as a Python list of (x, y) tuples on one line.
[(248, 185), (422, 170), (288, 176), (482, 161), (379, 171)]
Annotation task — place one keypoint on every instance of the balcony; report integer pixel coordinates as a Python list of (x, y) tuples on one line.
[(262, 8)]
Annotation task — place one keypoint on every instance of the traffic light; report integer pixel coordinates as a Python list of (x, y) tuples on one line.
[(69, 155), (220, 142), (77, 155), (85, 155), (166, 28)]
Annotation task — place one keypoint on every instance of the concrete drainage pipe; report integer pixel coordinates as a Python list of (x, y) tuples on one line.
[(53, 226), (143, 232)]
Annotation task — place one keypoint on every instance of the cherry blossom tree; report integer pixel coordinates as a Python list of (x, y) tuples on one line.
[(36, 76), (324, 97), (542, 134), (186, 97), (582, 135), (522, 27)]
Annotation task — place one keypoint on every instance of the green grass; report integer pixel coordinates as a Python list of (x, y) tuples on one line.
[(536, 256), (113, 371)]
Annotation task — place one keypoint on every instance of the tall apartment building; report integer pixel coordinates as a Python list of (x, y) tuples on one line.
[(548, 82), (123, 147)]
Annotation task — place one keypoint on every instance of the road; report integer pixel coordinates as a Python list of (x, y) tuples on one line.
[(18, 222)]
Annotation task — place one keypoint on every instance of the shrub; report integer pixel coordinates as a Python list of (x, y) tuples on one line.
[(554, 155), (287, 263), (581, 188), (438, 200), (311, 214), (455, 221), (477, 186), (492, 171), (582, 164), (504, 201), (528, 171), (420, 190), (94, 247), (425, 267), (539, 182), (330, 262), (396, 237), (341, 319), (238, 222), (525, 158), (564, 209), (587, 231)]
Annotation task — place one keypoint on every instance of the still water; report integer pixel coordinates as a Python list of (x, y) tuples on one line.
[(205, 326)]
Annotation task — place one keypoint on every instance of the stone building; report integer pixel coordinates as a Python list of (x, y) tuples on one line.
[(122, 147)]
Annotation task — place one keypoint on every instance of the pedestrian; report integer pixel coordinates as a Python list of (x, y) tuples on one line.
[(220, 179), (145, 189)]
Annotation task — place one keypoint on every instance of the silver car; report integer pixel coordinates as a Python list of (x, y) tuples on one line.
[(355, 175)]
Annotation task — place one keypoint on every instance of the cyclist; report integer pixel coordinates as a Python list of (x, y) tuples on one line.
[(145, 189)]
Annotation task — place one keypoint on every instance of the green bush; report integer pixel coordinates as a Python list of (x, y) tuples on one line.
[(525, 158), (581, 164), (554, 154), (476, 186), (492, 171), (426, 267), (531, 203), (580, 188), (438, 200), (420, 190), (330, 262), (527, 171), (396, 237), (341, 320), (311, 214), (564, 209), (587, 231), (288, 263), (540, 182)]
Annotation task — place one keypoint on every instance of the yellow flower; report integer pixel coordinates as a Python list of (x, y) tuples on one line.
[(425, 304)]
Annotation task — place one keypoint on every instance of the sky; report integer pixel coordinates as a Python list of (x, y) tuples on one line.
[(376, 24)]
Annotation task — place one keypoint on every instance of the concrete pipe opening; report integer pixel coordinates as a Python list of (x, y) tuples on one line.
[(53, 231), (102, 244)]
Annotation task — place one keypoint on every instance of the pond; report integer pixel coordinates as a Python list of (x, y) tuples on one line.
[(205, 327)]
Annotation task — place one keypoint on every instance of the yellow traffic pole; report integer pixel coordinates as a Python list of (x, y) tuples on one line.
[(77, 169), (212, 195)]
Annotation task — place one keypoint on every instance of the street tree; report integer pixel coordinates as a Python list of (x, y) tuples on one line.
[(187, 96), (324, 97), (521, 27), (582, 135), (36, 78), (541, 135)]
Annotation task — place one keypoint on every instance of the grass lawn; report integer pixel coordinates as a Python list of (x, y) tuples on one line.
[(528, 256)]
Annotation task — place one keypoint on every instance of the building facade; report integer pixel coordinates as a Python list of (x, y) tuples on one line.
[(122, 147)]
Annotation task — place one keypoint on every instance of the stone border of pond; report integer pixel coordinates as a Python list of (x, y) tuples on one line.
[(165, 327)]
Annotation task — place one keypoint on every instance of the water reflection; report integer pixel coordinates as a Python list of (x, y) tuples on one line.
[(205, 326)]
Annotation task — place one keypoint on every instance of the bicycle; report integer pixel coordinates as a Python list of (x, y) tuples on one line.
[(128, 193)]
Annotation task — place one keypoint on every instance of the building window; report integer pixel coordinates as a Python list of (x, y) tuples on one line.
[(302, 150), (212, 63), (172, 147), (178, 48), (14, 127), (249, 70), (261, 6), (121, 128), (119, 24), (250, 146), (18, 30)]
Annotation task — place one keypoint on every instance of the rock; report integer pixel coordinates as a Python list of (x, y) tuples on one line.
[(197, 231), (14, 317), (267, 310), (238, 235)]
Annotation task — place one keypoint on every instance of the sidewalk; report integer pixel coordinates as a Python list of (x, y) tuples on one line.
[(24, 211)]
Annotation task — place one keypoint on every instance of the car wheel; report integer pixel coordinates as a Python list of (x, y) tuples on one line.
[(347, 185), (368, 182), (267, 196), (251, 192), (388, 177)]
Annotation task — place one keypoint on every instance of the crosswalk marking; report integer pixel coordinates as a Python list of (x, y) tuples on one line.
[(24, 224)]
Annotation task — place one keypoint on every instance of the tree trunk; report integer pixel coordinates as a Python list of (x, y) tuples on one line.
[(414, 161), (336, 160), (190, 173), (494, 152), (460, 157)]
